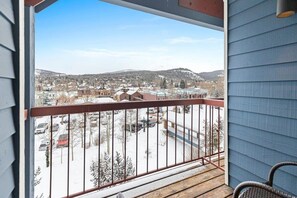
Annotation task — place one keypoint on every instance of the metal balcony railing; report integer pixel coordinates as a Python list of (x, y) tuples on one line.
[(110, 143)]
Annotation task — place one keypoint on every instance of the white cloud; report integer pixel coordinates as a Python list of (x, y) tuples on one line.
[(106, 53), (82, 61), (158, 49), (189, 40)]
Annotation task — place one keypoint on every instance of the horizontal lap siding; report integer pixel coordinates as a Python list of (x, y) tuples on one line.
[(262, 93), (7, 100), (6, 62)]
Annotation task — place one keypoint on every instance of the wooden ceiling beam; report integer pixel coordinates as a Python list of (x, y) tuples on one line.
[(33, 2), (213, 8)]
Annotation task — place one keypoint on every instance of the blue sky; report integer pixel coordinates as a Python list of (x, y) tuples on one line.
[(90, 36)]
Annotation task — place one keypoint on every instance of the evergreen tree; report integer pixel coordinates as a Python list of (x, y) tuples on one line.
[(118, 167), (187, 108), (130, 169), (163, 84), (213, 136), (37, 180), (182, 84), (94, 173), (105, 169)]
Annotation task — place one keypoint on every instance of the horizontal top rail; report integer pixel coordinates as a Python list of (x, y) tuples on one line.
[(96, 107)]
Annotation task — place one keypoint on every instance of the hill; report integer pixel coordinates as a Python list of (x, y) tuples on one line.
[(42, 72), (176, 74), (210, 76)]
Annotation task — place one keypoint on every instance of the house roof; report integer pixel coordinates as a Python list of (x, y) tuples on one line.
[(118, 93), (131, 92)]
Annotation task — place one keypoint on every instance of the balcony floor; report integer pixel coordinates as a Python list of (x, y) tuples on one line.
[(194, 180), (207, 183)]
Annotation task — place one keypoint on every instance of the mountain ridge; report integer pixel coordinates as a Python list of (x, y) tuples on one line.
[(175, 73)]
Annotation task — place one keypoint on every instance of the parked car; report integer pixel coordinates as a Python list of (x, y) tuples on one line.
[(133, 127), (48, 141), (93, 123), (81, 124), (72, 126), (64, 120), (149, 123), (94, 114), (41, 128), (94, 118), (43, 146), (62, 141), (152, 111), (55, 127), (104, 122)]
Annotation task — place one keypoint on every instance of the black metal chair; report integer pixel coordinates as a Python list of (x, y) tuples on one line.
[(251, 189)]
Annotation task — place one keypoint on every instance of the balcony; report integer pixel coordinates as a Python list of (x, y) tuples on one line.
[(108, 148)]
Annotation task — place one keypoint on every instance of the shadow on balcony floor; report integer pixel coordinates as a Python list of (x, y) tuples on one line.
[(192, 180)]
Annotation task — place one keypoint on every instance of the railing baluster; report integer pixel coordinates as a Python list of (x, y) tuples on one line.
[(205, 132), (192, 131), (136, 142), (158, 138), (99, 148), (199, 132), (219, 129), (147, 140), (112, 148), (84, 173), (175, 138), (68, 162), (184, 134), (210, 133), (51, 157), (125, 146), (167, 132)]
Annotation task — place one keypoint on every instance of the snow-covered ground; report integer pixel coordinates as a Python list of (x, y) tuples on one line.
[(76, 166)]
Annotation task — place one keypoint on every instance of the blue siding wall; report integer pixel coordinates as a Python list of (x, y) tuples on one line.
[(7, 100), (262, 92)]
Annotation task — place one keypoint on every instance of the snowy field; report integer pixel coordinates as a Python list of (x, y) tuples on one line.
[(156, 140)]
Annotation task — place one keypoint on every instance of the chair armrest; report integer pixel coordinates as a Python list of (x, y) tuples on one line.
[(275, 167), (264, 187)]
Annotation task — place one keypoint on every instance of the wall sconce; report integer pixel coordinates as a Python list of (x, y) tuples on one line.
[(286, 8)]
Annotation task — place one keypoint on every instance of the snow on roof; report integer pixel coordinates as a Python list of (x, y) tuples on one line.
[(94, 100), (131, 92), (102, 100), (191, 91), (118, 93)]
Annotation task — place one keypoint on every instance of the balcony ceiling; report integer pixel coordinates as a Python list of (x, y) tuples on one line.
[(39, 4), (33, 2), (208, 13), (199, 12)]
